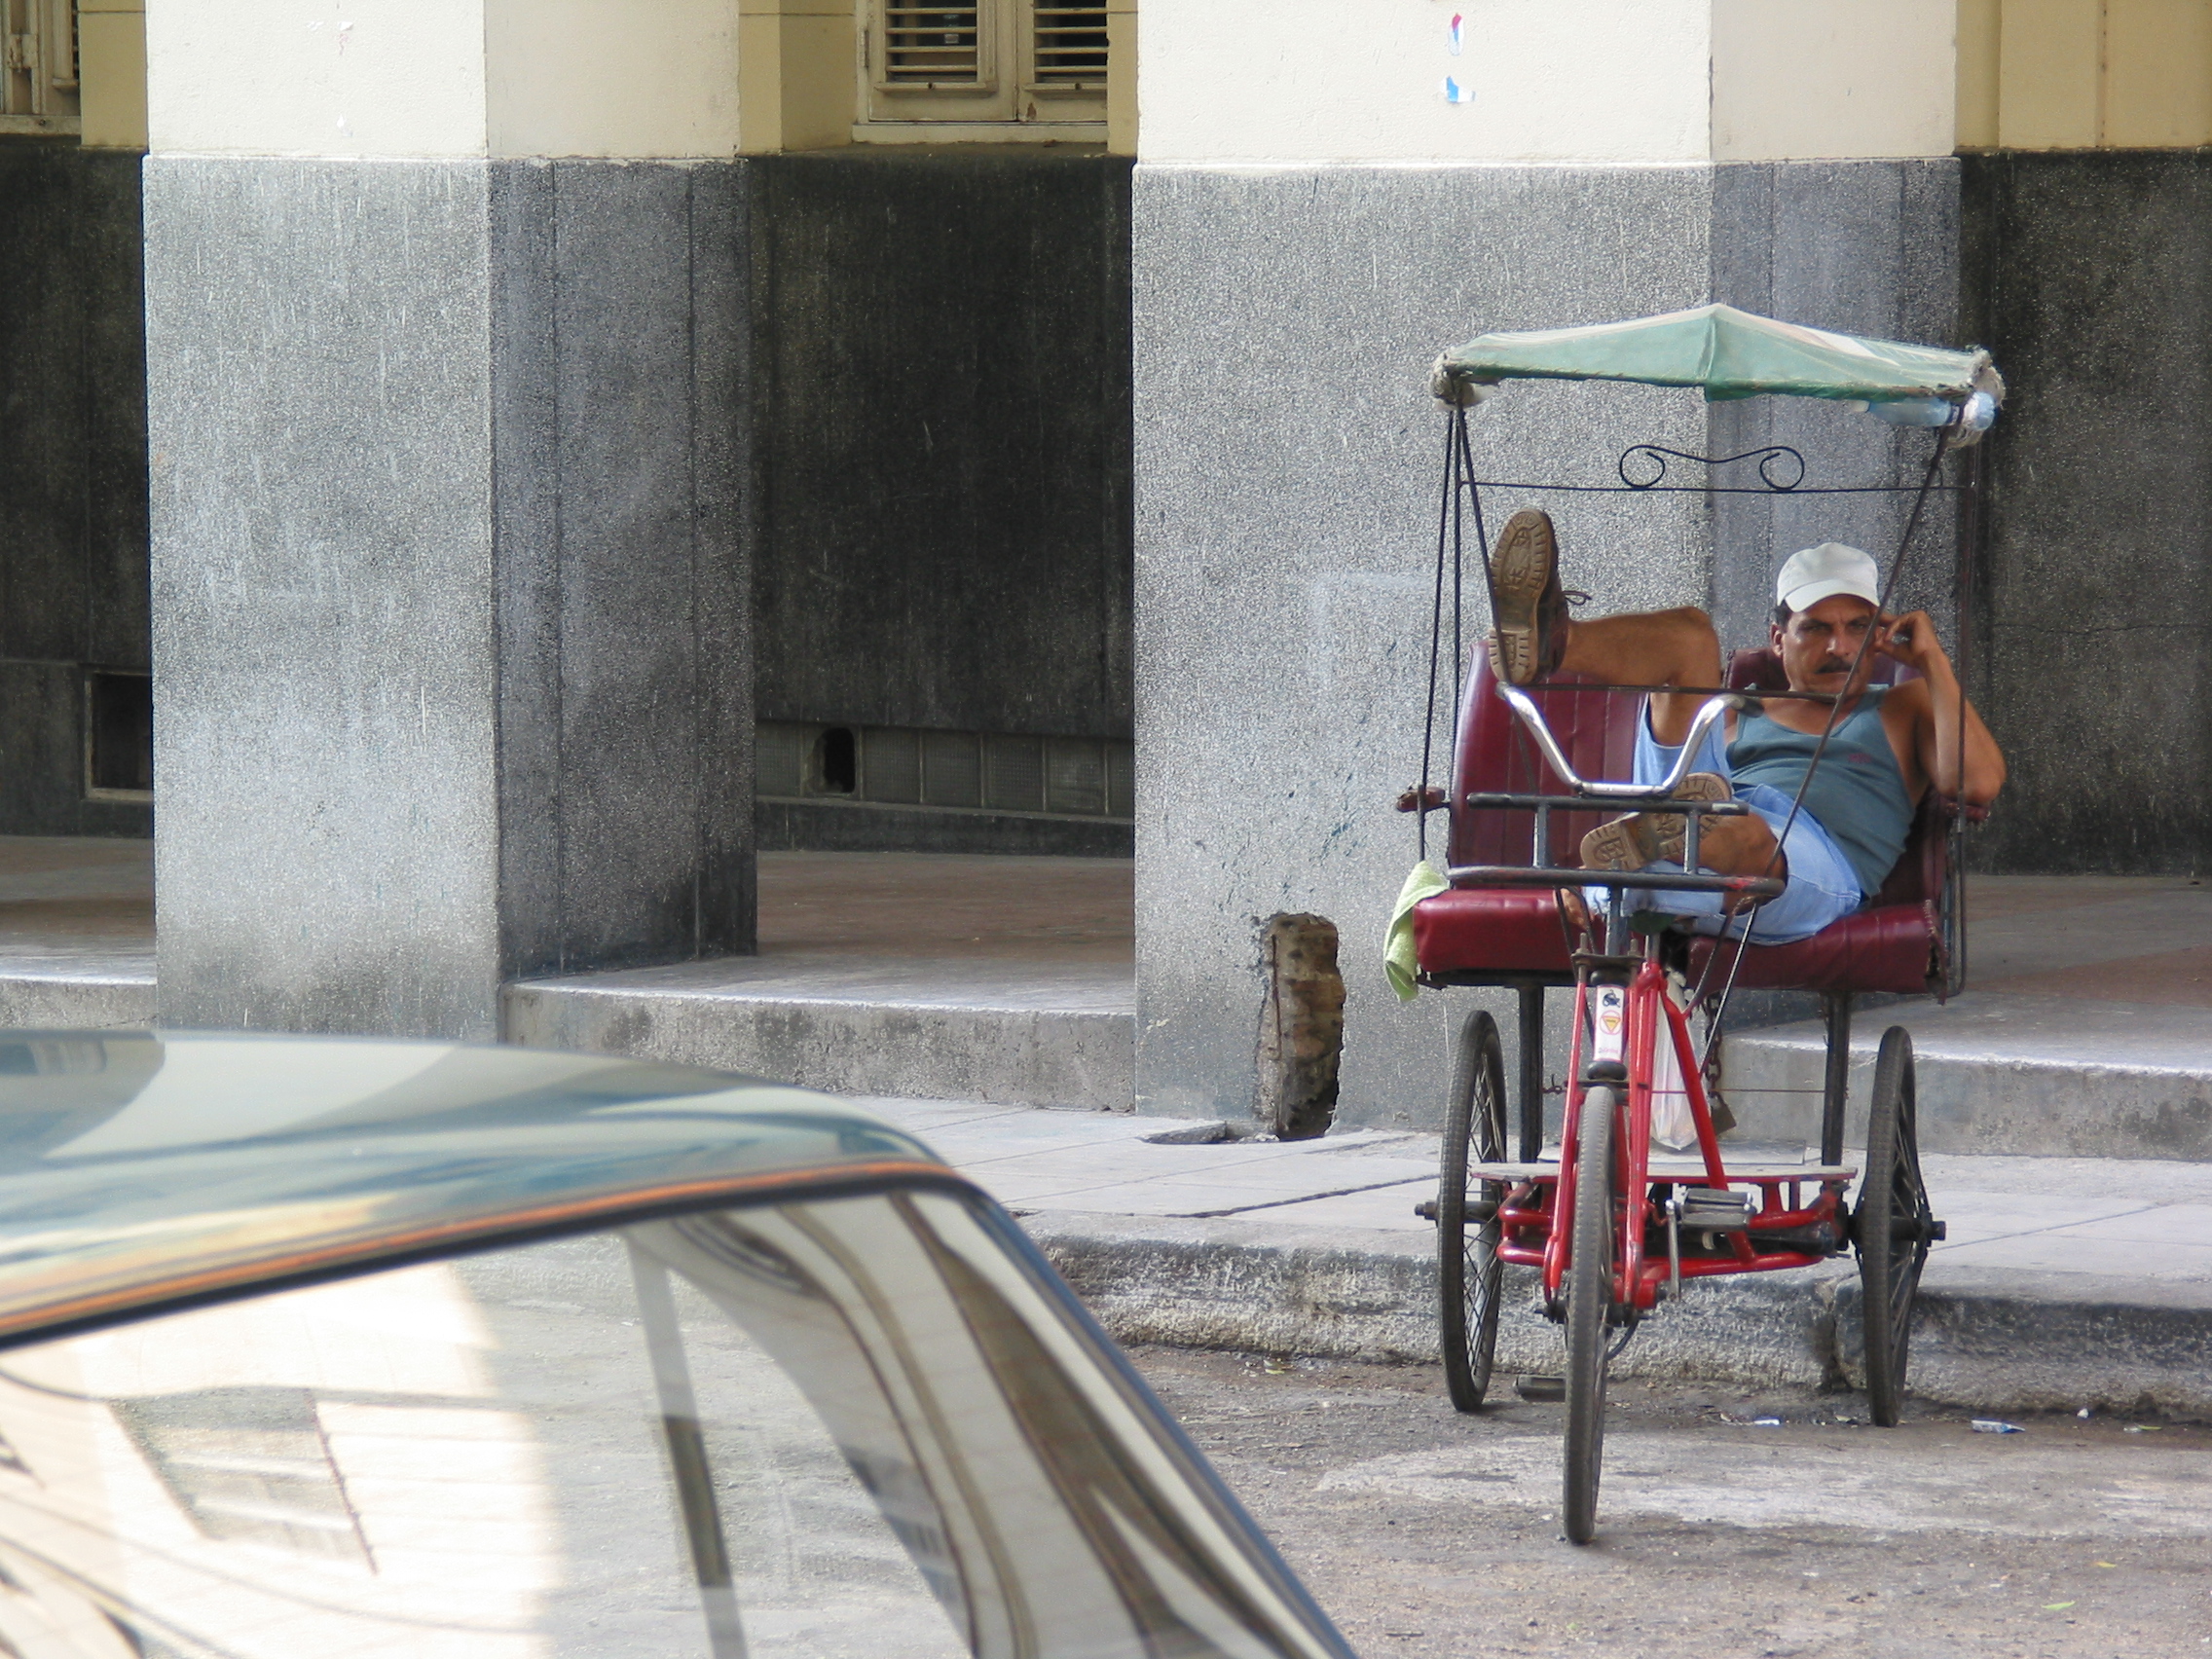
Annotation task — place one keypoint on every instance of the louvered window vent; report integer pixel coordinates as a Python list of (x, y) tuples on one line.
[(993, 69), (1071, 47), (949, 771), (932, 46)]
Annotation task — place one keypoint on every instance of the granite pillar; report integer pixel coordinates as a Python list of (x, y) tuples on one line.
[(450, 580), (1287, 471)]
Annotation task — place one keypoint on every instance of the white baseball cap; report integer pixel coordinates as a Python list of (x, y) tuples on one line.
[(1821, 573)]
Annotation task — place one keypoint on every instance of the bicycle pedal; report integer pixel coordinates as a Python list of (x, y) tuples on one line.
[(1541, 1390), (1704, 1210)]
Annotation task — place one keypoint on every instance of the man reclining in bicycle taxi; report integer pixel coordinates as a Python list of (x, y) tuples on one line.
[(1888, 742)]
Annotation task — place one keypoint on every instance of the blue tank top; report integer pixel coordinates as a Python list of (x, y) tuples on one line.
[(1857, 794)]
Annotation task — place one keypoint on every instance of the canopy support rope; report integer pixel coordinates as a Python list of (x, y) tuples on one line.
[(1827, 729)]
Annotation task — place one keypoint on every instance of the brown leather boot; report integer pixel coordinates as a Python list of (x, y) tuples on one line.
[(1529, 636), (1648, 838)]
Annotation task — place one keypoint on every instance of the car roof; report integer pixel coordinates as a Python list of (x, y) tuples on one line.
[(142, 1169)]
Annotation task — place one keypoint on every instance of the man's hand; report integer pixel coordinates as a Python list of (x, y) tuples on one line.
[(1911, 638)]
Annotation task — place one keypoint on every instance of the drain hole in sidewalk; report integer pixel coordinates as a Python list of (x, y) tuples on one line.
[(1214, 1133)]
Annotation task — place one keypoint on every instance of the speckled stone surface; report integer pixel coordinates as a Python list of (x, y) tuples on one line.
[(1287, 468), (2094, 287), (449, 618)]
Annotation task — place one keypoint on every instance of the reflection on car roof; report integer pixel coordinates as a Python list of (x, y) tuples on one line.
[(145, 1168)]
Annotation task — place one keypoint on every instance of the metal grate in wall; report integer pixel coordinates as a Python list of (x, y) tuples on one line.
[(955, 771), (931, 46), (119, 735), (1071, 46)]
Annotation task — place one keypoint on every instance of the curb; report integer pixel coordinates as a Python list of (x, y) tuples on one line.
[(867, 1043), (1989, 1339)]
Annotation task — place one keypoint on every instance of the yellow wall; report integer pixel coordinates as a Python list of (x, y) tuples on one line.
[(796, 76), (1811, 79), (553, 77), (2085, 74), (111, 70), (444, 78)]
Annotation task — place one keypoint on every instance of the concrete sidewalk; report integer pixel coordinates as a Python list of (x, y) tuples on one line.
[(2082, 1274), (2065, 1282)]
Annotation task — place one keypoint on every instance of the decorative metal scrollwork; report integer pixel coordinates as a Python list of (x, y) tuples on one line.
[(1653, 458)]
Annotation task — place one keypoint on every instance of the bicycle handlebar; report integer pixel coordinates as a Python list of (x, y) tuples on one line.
[(1531, 716), (1630, 880)]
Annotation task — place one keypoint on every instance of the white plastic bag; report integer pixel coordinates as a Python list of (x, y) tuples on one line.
[(1672, 1125)]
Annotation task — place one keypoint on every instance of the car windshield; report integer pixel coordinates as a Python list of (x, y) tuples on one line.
[(854, 1426)]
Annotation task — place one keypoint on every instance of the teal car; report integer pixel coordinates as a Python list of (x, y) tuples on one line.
[(316, 1348)]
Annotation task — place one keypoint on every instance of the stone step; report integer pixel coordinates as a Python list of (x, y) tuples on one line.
[(76, 931), (34, 997), (2002, 1073), (1021, 1032)]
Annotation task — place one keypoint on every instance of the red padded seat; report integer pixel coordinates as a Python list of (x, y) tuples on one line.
[(1501, 934), (1886, 947), (1479, 934), (1478, 930)]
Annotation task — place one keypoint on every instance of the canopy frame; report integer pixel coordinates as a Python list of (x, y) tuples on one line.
[(1462, 499)]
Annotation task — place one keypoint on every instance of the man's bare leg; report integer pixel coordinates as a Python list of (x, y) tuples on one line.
[(1672, 648), (1650, 647)]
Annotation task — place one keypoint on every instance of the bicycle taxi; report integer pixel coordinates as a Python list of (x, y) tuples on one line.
[(1615, 1225)]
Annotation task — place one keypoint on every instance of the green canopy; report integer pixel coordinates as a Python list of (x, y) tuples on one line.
[(1730, 353)]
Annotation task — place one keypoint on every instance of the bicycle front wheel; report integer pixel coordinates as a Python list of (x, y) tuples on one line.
[(1593, 1249)]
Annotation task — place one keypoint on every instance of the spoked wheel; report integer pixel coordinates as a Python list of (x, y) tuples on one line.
[(1468, 1268), (1593, 1248), (1892, 1226)]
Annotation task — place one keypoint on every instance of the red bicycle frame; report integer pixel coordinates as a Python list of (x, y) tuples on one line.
[(1535, 1233)]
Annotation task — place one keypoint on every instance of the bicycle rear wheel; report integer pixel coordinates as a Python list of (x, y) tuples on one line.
[(1468, 1268), (1893, 1226), (1593, 1249)]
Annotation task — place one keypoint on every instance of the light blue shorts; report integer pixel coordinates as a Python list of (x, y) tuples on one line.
[(1822, 888)]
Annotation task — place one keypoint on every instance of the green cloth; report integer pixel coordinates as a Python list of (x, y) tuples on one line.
[(1730, 353), (1399, 964)]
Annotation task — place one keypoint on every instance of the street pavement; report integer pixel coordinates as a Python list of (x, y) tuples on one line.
[(1732, 1524)]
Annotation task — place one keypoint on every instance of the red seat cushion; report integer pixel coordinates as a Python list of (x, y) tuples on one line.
[(1890, 947), (1493, 930)]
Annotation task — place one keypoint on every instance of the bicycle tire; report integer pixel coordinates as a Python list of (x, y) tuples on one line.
[(1589, 1307), (1469, 1271), (1892, 1226)]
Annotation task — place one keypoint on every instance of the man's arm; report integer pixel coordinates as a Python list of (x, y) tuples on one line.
[(1912, 639)]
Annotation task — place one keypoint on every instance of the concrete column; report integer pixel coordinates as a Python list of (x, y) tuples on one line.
[(446, 383), (1312, 220)]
